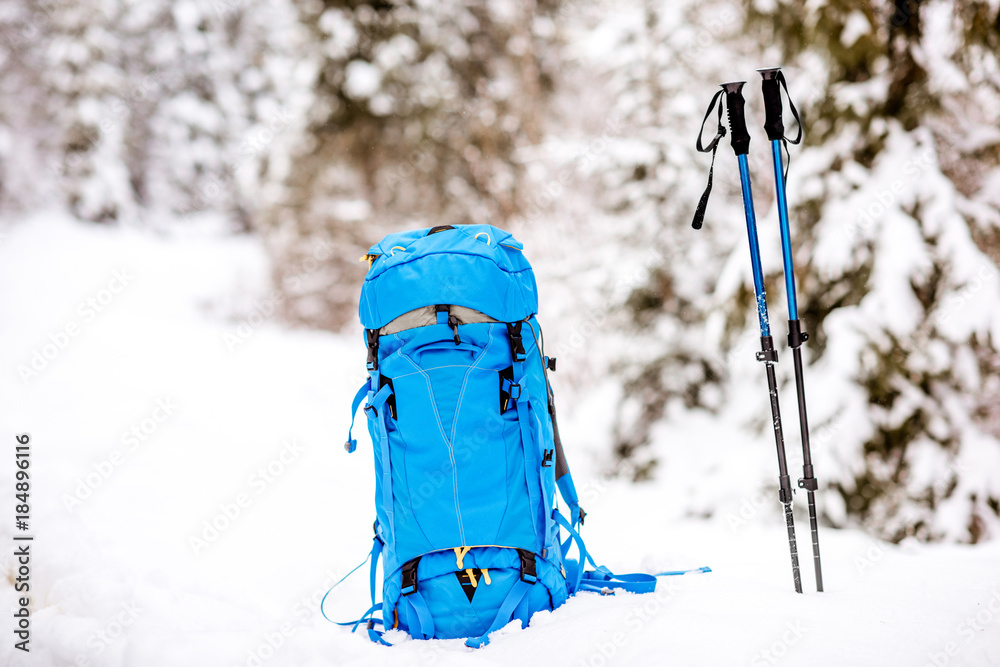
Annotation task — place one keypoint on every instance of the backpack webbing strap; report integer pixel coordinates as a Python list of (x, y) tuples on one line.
[(373, 555), (563, 476), (584, 555), (504, 614), (531, 470), (419, 621), (351, 443), (376, 636), (568, 491), (373, 572), (519, 394), (418, 616), (367, 618), (376, 404), (371, 337), (516, 342), (601, 579)]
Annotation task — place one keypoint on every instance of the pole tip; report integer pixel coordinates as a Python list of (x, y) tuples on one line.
[(733, 86), (770, 72)]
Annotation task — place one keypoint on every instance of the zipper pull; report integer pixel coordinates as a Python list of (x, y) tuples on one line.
[(453, 323)]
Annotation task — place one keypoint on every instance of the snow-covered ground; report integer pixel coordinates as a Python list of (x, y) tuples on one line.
[(162, 398)]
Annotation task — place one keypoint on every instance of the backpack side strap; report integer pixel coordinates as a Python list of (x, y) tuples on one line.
[(600, 579), (512, 603), (351, 443)]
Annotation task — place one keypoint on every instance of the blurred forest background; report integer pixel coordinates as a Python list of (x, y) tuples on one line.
[(322, 125)]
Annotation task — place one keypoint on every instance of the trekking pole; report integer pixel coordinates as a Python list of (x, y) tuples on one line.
[(771, 84), (741, 146)]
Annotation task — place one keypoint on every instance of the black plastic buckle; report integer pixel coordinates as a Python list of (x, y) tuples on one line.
[(547, 458), (516, 343), (372, 335), (371, 624), (767, 352), (796, 336), (409, 577), (391, 401), (550, 362), (527, 566), (515, 391)]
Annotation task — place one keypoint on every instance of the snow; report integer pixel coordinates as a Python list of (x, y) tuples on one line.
[(855, 27), (363, 79), (248, 435)]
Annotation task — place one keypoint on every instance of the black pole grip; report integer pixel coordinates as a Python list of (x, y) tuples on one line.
[(737, 118), (771, 87)]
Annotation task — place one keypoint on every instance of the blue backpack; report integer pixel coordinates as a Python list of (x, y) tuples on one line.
[(466, 447)]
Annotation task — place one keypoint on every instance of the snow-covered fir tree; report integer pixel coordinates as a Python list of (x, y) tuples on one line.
[(895, 224), (419, 109), (142, 107), (324, 124)]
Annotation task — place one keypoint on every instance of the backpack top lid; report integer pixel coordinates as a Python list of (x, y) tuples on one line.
[(476, 266)]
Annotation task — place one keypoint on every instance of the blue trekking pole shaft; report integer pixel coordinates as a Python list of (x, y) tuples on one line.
[(774, 126), (740, 139)]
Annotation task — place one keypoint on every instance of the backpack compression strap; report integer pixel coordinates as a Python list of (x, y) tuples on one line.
[(563, 476), (375, 404), (514, 603), (367, 618), (351, 443), (504, 614), (601, 579)]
